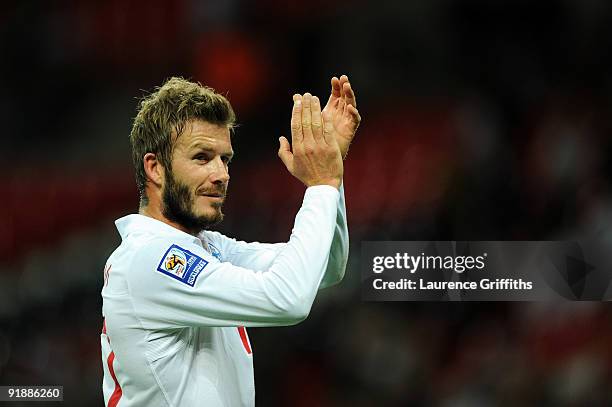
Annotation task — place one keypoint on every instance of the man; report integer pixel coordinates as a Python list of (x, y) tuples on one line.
[(177, 296)]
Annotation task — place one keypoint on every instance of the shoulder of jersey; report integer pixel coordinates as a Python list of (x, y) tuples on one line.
[(214, 240)]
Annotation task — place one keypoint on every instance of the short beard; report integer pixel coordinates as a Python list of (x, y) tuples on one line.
[(177, 204)]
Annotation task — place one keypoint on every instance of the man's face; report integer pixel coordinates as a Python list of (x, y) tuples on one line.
[(195, 188)]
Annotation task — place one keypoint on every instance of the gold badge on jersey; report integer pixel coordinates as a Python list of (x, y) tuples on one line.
[(175, 262)]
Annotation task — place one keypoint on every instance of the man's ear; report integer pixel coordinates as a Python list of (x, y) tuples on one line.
[(153, 169)]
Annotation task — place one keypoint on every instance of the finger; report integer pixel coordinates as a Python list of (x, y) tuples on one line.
[(296, 120), (317, 125), (307, 118), (338, 106), (284, 153), (352, 110), (335, 87), (349, 94), (328, 127), (343, 79), (335, 91), (341, 107), (335, 82)]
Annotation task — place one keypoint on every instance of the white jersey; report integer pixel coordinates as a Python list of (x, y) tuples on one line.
[(175, 306)]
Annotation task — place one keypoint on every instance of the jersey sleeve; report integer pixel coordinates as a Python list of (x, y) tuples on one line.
[(180, 284), (260, 256)]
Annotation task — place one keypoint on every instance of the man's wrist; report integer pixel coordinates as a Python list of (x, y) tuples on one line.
[(321, 189), (331, 182)]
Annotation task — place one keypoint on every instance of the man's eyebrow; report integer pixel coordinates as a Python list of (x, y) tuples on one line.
[(200, 146), (208, 148)]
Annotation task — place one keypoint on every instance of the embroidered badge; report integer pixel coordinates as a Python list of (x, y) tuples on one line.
[(214, 251), (182, 265)]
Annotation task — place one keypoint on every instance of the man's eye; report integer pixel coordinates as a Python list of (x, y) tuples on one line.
[(201, 157), (226, 160)]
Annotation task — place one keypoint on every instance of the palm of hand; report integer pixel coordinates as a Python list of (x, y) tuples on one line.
[(342, 108), (345, 125)]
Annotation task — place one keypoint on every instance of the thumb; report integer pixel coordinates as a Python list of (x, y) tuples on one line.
[(284, 153)]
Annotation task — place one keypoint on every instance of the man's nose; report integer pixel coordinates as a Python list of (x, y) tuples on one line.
[(220, 173)]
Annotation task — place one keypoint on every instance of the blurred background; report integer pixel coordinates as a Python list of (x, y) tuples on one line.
[(482, 120)]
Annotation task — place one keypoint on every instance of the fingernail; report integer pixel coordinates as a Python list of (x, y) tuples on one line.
[(315, 99)]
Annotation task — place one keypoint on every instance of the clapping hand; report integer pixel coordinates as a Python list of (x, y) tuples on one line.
[(342, 108), (314, 155)]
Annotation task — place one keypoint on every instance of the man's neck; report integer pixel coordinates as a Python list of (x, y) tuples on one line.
[(156, 213)]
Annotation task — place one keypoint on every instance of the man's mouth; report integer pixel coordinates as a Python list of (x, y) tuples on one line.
[(218, 195)]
